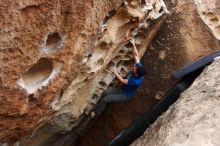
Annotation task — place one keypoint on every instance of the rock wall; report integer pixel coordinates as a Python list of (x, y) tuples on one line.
[(51, 52), (55, 57), (182, 38), (194, 119), (210, 14)]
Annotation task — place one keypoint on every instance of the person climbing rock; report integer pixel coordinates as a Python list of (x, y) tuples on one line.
[(134, 79)]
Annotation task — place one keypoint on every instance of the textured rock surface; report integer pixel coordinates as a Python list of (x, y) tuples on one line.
[(194, 119), (54, 56), (210, 14), (183, 37), (51, 52)]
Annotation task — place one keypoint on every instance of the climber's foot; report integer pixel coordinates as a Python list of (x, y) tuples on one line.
[(93, 114)]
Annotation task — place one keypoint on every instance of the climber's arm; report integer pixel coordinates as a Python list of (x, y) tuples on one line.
[(118, 76), (135, 52)]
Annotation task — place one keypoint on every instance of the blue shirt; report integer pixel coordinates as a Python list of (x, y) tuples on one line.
[(133, 83)]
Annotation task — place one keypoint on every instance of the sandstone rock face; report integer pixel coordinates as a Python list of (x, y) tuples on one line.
[(182, 38), (194, 36), (55, 57), (194, 119), (210, 13)]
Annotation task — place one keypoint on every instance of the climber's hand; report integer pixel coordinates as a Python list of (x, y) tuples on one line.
[(113, 69), (128, 34), (132, 41)]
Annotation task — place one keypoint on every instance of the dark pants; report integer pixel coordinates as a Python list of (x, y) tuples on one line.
[(110, 95)]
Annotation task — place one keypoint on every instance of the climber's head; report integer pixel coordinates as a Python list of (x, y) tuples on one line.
[(139, 71)]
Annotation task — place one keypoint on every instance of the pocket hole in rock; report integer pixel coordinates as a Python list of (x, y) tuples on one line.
[(111, 64), (100, 62), (32, 100), (103, 84), (214, 21), (97, 92), (129, 45), (61, 93), (31, 10), (117, 58), (86, 59), (127, 57), (110, 14), (105, 20), (143, 2), (119, 63), (102, 88), (91, 75), (94, 96), (123, 71), (210, 15), (52, 43), (37, 76), (128, 63), (161, 10), (122, 51)]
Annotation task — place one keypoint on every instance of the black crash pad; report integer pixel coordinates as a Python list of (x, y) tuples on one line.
[(195, 65)]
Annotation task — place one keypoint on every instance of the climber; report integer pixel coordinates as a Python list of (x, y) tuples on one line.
[(134, 79)]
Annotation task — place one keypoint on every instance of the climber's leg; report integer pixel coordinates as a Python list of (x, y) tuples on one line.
[(110, 98)]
